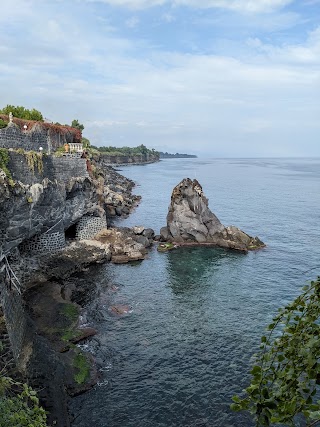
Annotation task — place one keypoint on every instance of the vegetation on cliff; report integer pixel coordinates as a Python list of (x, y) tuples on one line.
[(3, 123), (22, 113), (34, 160), (4, 160), (19, 405), (125, 151), (284, 388), (167, 155)]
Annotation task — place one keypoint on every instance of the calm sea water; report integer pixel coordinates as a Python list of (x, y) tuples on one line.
[(197, 314)]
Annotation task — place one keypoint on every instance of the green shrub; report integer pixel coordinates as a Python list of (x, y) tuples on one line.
[(19, 405), (4, 160), (22, 113), (285, 381), (3, 124)]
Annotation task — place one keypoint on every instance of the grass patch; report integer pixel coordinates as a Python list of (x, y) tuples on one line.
[(70, 311), (70, 334), (81, 364)]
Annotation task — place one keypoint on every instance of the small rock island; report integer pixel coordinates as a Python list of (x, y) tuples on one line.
[(191, 222)]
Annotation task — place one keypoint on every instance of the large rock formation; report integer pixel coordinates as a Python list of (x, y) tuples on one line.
[(190, 221)]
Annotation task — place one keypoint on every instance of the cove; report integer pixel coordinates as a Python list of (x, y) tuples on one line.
[(196, 314)]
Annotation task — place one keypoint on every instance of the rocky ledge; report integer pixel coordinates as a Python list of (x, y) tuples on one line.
[(191, 222)]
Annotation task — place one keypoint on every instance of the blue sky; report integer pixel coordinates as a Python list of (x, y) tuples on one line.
[(220, 78)]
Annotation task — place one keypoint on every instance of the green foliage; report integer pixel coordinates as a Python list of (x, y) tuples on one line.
[(19, 405), (22, 113), (85, 142), (3, 124), (4, 160), (286, 373), (125, 151), (81, 364), (75, 124), (70, 311), (34, 160), (70, 334)]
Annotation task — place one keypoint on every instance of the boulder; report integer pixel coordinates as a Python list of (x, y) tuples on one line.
[(190, 221), (138, 229), (143, 240), (148, 233)]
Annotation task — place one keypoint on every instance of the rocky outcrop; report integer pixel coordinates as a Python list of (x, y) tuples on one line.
[(126, 244), (190, 221), (118, 198)]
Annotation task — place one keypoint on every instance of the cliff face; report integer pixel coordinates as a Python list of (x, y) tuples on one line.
[(124, 160), (42, 321), (59, 194), (27, 210)]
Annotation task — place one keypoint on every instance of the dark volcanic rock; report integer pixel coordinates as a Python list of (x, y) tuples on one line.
[(190, 221)]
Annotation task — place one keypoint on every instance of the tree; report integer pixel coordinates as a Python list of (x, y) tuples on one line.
[(75, 124), (22, 113), (85, 142), (286, 376)]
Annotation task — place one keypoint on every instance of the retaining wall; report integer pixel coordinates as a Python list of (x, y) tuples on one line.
[(60, 168), (44, 243), (32, 139), (13, 310), (89, 226)]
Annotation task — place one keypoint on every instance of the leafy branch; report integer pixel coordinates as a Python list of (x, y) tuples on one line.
[(286, 373)]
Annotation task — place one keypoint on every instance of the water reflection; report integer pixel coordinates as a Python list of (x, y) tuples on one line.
[(189, 268)]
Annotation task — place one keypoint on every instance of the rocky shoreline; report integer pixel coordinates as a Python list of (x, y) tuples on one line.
[(50, 304), (53, 291), (54, 301)]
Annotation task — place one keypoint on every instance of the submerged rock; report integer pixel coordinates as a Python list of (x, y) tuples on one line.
[(190, 221)]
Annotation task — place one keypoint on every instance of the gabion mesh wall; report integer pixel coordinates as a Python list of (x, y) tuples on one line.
[(13, 309), (44, 243), (89, 226)]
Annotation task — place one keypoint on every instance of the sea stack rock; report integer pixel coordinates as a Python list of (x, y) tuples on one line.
[(191, 222)]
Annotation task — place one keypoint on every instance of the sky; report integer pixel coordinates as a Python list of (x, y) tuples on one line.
[(218, 78)]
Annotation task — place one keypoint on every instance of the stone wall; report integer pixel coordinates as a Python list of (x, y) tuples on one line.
[(44, 243), (39, 135), (89, 226), (12, 305), (60, 168), (13, 137)]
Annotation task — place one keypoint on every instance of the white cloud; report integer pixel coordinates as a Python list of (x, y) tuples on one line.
[(15, 11), (304, 53), (256, 125), (249, 6), (131, 4), (168, 17), (128, 92), (132, 22)]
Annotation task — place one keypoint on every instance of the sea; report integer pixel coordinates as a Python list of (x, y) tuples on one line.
[(196, 315)]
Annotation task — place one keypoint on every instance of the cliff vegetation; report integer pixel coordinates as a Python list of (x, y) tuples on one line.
[(167, 155), (284, 388), (125, 151)]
